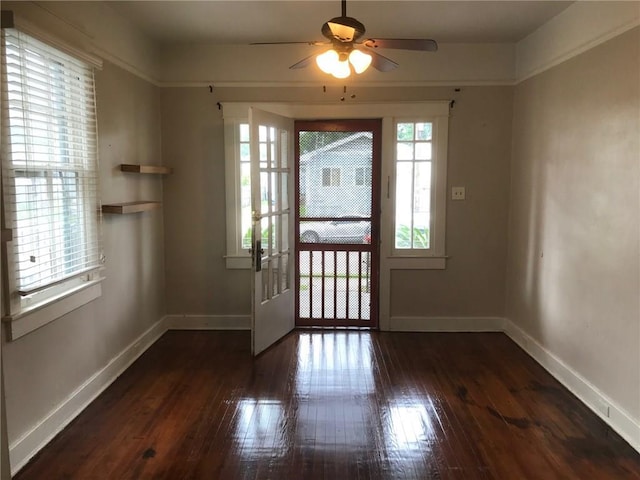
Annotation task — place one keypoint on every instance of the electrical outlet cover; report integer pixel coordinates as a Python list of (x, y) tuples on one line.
[(457, 193)]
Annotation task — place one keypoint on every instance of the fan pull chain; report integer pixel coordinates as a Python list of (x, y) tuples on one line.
[(344, 90)]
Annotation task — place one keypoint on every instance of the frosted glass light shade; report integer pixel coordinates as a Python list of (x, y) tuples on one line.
[(327, 61), (341, 70), (339, 64), (359, 60)]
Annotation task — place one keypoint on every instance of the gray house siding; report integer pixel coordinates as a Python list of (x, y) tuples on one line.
[(335, 180)]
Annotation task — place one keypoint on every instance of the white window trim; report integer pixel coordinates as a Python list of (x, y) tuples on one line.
[(75, 292), (235, 113), (38, 315), (438, 110), (433, 257), (236, 258)]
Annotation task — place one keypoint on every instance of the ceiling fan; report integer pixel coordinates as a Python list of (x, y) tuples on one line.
[(347, 52)]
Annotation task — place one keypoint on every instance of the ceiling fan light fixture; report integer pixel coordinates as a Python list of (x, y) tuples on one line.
[(341, 69), (334, 63), (359, 60), (327, 61), (341, 32), (348, 52)]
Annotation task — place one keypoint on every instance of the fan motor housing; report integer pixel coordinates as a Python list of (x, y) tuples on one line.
[(347, 22)]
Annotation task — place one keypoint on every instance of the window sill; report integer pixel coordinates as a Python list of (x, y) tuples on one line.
[(37, 316), (417, 263)]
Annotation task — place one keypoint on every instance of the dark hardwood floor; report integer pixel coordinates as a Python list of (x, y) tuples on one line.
[(336, 405)]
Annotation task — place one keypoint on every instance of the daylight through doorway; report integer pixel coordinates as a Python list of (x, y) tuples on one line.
[(337, 223)]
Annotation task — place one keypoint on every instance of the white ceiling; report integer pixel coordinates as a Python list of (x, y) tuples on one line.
[(243, 22)]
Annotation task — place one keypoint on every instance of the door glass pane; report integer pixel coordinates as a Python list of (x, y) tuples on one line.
[(284, 273), (275, 276), (284, 190), (284, 152), (266, 234), (274, 246), (266, 280), (272, 153), (245, 152), (244, 132), (284, 221), (265, 204), (263, 155), (275, 191), (262, 133)]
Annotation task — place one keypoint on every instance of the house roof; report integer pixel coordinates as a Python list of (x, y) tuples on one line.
[(335, 145)]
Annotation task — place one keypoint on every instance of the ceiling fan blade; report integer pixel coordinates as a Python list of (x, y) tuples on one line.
[(305, 62), (422, 44), (314, 44), (382, 63)]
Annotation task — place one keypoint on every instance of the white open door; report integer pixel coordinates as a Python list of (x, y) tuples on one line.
[(272, 153)]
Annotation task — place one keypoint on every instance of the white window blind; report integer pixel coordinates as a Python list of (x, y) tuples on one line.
[(49, 166)]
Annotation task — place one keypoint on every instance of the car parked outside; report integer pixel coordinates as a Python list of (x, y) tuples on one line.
[(348, 230)]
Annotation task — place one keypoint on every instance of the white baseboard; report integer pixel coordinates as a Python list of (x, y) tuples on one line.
[(24, 448), (446, 324), (618, 419), (208, 322)]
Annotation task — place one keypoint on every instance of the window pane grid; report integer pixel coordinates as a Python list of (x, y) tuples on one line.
[(413, 185), (49, 163), (245, 185)]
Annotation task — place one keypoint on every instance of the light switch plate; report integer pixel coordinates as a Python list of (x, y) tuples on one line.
[(457, 193)]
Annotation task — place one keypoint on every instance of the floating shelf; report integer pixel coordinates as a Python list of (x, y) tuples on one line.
[(129, 207), (154, 169)]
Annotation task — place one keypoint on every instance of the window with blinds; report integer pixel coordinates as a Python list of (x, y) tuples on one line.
[(49, 170)]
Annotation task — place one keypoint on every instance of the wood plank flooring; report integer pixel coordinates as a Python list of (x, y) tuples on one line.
[(336, 405)]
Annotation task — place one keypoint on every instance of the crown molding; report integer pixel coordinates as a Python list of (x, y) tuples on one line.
[(579, 28)]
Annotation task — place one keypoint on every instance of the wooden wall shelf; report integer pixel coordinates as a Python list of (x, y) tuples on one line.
[(154, 169), (129, 207)]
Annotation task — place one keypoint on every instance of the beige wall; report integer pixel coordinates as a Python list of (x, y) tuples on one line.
[(43, 369), (473, 284), (192, 143), (479, 150), (574, 276)]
